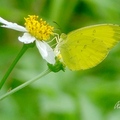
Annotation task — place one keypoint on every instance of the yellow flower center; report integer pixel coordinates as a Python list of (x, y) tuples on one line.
[(38, 28)]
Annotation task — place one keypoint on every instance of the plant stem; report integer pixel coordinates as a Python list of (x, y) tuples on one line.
[(25, 84), (22, 51)]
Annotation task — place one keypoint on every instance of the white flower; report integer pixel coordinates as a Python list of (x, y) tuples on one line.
[(30, 36)]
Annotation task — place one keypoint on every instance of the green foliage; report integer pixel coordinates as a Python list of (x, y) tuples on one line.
[(82, 95), (57, 66)]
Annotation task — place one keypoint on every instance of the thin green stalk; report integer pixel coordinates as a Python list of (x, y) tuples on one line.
[(25, 84), (22, 51)]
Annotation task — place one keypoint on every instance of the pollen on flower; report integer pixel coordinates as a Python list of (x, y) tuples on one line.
[(38, 28)]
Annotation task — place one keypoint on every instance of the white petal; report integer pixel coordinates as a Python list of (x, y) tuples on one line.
[(26, 38), (11, 25), (46, 51)]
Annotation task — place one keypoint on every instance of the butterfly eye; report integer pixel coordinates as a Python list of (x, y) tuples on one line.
[(63, 36)]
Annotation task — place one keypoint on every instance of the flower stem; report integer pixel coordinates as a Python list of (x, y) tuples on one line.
[(25, 84), (22, 51)]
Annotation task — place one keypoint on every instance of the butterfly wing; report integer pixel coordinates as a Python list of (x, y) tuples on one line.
[(85, 48)]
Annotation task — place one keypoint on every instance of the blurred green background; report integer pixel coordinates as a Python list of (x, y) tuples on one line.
[(82, 95)]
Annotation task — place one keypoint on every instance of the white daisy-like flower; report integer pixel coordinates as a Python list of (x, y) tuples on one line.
[(34, 30)]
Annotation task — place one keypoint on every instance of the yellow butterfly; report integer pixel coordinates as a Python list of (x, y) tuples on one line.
[(86, 47)]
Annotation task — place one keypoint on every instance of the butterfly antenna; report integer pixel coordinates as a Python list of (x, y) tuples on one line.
[(59, 28)]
